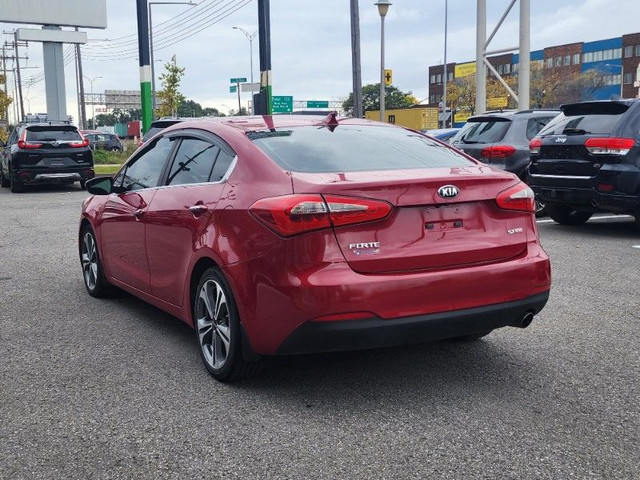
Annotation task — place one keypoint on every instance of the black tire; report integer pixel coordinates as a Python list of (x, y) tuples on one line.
[(4, 181), (567, 215), (83, 184), (218, 330), (541, 209), (16, 186), (92, 271), (472, 336)]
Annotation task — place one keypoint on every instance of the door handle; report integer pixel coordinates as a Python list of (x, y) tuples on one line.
[(198, 209), (138, 213)]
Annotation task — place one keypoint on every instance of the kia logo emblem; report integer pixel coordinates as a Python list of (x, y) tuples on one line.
[(448, 191)]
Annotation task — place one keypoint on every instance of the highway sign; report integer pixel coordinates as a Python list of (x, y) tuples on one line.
[(238, 80), (282, 104), (317, 104)]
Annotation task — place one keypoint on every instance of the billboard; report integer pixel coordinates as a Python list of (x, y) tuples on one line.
[(64, 13), (464, 69)]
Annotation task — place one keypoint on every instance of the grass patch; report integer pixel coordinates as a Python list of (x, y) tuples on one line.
[(103, 157), (106, 169)]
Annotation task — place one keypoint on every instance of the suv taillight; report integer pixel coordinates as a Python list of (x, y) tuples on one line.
[(534, 146), (83, 143), (609, 146), (294, 214), (23, 144), (519, 197), (498, 151)]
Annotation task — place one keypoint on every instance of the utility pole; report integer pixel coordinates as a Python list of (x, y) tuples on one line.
[(355, 59), (144, 61), (264, 105), (4, 72), (82, 108), (446, 75), (15, 44)]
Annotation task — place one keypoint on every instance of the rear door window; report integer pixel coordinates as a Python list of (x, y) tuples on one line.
[(587, 118), (486, 131), (535, 124), (352, 148)]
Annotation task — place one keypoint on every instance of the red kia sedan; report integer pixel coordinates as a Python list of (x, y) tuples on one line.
[(283, 234)]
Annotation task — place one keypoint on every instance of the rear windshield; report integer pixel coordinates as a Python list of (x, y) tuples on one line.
[(484, 131), (354, 148), (582, 119), (51, 134)]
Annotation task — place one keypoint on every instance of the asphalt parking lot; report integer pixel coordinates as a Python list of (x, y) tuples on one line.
[(115, 388)]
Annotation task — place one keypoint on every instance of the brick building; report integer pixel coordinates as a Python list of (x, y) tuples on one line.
[(616, 59)]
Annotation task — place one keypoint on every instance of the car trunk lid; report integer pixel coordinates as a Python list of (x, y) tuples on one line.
[(425, 230)]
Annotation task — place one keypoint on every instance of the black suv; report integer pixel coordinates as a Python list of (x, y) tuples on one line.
[(45, 153), (588, 160)]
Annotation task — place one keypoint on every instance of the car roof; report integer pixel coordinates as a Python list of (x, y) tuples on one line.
[(510, 114), (622, 101)]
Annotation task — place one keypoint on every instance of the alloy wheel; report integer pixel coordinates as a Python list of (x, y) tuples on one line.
[(89, 259), (213, 324)]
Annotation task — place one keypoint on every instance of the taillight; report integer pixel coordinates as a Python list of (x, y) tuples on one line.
[(294, 214), (534, 146), (24, 145), (348, 210), (498, 151), (609, 146), (519, 197), (83, 143)]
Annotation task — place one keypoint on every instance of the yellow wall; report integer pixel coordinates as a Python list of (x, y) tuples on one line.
[(416, 118)]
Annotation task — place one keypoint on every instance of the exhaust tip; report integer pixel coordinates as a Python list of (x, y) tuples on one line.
[(526, 320)]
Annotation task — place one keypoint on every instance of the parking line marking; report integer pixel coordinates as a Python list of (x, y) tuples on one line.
[(635, 246), (604, 217)]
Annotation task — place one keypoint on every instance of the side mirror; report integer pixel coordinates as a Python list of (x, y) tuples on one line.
[(100, 185)]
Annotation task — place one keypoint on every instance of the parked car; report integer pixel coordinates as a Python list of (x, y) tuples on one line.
[(442, 134), (587, 160), (45, 153), (103, 141), (158, 125), (289, 234), (501, 139)]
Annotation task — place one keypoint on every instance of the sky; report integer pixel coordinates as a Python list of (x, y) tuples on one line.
[(311, 44)]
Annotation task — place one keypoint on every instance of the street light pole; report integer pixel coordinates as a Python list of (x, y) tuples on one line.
[(93, 102), (446, 75), (250, 37), (153, 71), (383, 8)]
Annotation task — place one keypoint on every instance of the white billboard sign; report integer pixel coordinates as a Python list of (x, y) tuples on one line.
[(64, 13), (46, 35)]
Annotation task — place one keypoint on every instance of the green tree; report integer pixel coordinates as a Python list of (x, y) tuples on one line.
[(212, 112), (169, 97), (5, 100), (394, 98)]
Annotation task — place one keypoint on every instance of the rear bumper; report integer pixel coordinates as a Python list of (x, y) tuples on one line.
[(582, 193), (27, 176), (282, 304), (376, 332)]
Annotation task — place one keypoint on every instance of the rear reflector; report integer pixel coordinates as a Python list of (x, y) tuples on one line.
[(534, 146), (498, 151), (295, 214), (609, 146), (519, 197), (605, 187)]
